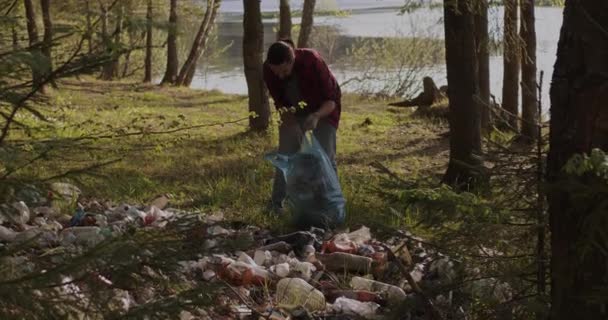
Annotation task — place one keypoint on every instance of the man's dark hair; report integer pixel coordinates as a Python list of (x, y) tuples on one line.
[(279, 52)]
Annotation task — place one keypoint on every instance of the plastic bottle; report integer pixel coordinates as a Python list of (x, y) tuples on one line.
[(359, 295), (82, 235), (295, 292), (393, 293), (303, 269), (366, 310), (339, 262), (340, 243), (281, 246)]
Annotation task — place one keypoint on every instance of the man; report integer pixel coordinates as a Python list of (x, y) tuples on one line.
[(308, 95)]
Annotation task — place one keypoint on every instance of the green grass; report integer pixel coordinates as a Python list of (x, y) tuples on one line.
[(219, 167)]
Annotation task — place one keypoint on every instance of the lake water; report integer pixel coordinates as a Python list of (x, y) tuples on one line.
[(369, 19)]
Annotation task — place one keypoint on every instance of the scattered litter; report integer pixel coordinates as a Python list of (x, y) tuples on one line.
[(299, 275)]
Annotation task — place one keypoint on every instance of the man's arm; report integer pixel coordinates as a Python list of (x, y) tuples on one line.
[(287, 117), (328, 93)]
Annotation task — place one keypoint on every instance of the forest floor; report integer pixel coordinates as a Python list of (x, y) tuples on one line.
[(196, 147)]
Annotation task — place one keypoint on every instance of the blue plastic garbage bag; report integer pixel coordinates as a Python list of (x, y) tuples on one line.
[(313, 190)]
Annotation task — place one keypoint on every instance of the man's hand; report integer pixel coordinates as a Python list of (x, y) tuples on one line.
[(311, 122), (288, 118)]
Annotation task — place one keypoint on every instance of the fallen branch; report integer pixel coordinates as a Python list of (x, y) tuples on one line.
[(406, 272)]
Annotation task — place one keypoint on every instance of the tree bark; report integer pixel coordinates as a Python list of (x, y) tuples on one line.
[(199, 46), (32, 32), (47, 38), (285, 24), (579, 123), (253, 51), (529, 97), (15, 37), (110, 70), (510, 86), (105, 37), (172, 62), (308, 11), (425, 99), (89, 32), (148, 59), (482, 40), (464, 112)]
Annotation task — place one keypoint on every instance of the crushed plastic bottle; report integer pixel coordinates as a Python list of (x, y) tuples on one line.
[(281, 270), (241, 273), (366, 310), (67, 191), (129, 212), (218, 231), (340, 243), (89, 236), (359, 295), (393, 293), (17, 213), (361, 236), (293, 292), (7, 234), (303, 270), (43, 238)]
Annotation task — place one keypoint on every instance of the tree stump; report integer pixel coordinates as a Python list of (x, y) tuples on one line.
[(424, 100)]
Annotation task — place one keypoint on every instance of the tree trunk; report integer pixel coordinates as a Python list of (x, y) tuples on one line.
[(284, 20), (579, 123), (425, 99), (308, 11), (110, 70), (89, 32), (148, 61), (482, 40), (253, 51), (105, 38), (32, 32), (529, 103), (15, 38), (510, 85), (199, 46), (172, 62), (47, 39), (463, 88), (132, 43)]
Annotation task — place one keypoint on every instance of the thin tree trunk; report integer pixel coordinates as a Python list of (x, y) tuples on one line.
[(253, 51), (47, 39), (32, 31), (89, 32), (15, 38), (510, 86), (529, 103), (308, 11), (579, 91), (110, 70), (186, 73), (105, 38), (482, 39), (285, 24), (148, 61), (132, 42), (172, 62), (463, 88)]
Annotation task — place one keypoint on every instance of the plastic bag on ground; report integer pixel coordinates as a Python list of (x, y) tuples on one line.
[(313, 189)]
